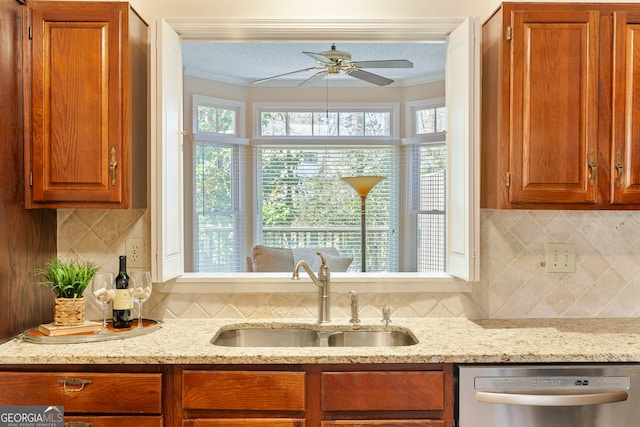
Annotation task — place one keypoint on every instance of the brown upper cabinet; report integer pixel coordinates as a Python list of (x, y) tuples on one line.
[(561, 106), (86, 144)]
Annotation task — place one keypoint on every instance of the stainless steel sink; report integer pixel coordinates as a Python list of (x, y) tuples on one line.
[(371, 339), (255, 336), (266, 337)]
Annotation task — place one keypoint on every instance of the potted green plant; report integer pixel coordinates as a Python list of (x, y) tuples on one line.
[(67, 280)]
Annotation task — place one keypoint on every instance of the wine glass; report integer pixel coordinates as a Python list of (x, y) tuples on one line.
[(140, 288), (102, 287)]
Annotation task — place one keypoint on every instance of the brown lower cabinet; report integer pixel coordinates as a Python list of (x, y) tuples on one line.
[(346, 395)]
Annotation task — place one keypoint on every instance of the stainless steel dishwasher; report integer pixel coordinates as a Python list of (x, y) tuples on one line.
[(582, 395)]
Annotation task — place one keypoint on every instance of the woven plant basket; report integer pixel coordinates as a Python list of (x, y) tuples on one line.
[(68, 311)]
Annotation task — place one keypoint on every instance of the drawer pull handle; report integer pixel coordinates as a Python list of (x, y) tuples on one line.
[(619, 167), (77, 424), (112, 166), (75, 384), (593, 166)]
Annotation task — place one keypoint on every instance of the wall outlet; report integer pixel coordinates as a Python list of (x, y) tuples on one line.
[(135, 251), (561, 257)]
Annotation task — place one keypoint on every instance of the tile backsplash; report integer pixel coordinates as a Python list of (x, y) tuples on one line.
[(513, 282)]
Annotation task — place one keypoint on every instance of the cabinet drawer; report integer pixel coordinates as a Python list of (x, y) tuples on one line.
[(247, 390), (386, 423), (94, 421), (244, 422), (382, 391), (104, 393)]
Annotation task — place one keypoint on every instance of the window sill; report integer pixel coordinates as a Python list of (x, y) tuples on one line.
[(207, 283)]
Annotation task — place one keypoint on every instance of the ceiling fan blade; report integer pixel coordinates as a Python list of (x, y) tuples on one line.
[(317, 76), (281, 75), (320, 58), (391, 63), (369, 77)]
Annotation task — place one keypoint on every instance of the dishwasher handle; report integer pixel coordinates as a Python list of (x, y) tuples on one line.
[(552, 399)]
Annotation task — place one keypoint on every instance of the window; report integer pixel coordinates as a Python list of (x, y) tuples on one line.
[(429, 205), (214, 211), (215, 120), (295, 186), (462, 100), (426, 129), (430, 120), (325, 123), (304, 203)]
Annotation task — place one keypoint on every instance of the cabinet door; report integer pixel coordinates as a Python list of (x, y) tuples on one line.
[(88, 106), (554, 107), (78, 82), (625, 156)]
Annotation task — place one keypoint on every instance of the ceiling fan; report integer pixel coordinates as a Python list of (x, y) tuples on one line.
[(335, 61)]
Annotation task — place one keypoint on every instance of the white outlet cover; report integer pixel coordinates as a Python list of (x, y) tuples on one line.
[(561, 258), (135, 251)]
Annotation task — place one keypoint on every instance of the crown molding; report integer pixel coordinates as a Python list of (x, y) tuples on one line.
[(313, 29)]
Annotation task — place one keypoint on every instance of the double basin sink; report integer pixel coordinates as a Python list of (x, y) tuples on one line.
[(297, 336)]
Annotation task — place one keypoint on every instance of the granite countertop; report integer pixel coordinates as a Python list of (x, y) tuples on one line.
[(446, 340)]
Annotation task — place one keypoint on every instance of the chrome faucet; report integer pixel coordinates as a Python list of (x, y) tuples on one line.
[(386, 314), (353, 296), (322, 280)]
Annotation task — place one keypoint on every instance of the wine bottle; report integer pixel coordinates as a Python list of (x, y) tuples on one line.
[(122, 303)]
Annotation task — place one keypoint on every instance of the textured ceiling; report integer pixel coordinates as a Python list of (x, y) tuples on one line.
[(243, 62)]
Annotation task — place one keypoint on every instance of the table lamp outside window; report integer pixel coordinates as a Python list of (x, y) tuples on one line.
[(363, 185)]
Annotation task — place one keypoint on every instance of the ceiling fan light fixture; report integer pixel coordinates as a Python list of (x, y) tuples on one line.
[(332, 62)]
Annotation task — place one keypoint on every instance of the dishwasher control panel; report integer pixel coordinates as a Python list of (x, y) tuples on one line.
[(551, 383)]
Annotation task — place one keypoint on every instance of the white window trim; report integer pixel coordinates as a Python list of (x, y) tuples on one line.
[(410, 130), (389, 29), (237, 106)]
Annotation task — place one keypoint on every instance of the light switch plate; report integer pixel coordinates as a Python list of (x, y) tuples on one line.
[(561, 258)]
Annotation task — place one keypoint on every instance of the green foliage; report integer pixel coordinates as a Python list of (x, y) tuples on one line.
[(213, 182), (216, 120), (67, 279)]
